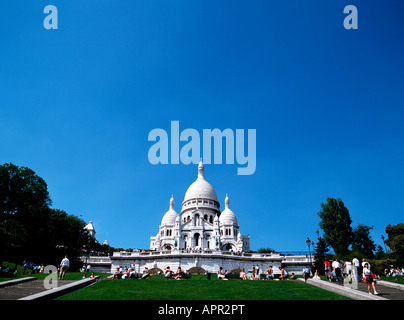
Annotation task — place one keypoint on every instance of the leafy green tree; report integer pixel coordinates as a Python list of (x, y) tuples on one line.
[(380, 254), (336, 224), (265, 250), (362, 241), (29, 228), (65, 235), (395, 242), (24, 203), (22, 191), (320, 253)]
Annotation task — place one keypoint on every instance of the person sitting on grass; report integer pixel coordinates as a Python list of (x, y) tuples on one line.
[(132, 274), (269, 273), (117, 274), (180, 274), (283, 275), (168, 273), (146, 273), (220, 274), (243, 274), (125, 273)]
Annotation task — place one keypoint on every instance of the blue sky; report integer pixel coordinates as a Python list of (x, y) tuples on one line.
[(77, 105)]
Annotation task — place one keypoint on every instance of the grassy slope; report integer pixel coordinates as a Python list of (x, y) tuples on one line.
[(198, 288), (39, 276)]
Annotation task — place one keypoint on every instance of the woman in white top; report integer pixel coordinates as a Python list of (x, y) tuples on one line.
[(243, 274), (220, 274), (367, 276)]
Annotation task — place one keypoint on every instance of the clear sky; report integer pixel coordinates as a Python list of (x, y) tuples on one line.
[(77, 105)]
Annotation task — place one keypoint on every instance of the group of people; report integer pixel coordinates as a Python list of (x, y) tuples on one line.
[(91, 276), (333, 272), (252, 276), (353, 270), (6, 271), (180, 274), (269, 274), (86, 268), (284, 275), (394, 272), (130, 273), (36, 268)]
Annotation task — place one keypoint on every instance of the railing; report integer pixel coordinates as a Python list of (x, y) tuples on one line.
[(196, 252), (96, 259)]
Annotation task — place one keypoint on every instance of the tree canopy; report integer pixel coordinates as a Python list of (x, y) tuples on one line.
[(362, 241), (29, 228), (336, 224), (395, 241)]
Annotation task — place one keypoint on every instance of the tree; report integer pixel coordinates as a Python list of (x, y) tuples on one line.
[(380, 254), (320, 253), (29, 228), (21, 191), (336, 224), (395, 242), (66, 235), (24, 202), (362, 241), (266, 250)]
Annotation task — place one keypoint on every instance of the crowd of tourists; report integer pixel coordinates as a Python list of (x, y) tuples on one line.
[(394, 272), (352, 270)]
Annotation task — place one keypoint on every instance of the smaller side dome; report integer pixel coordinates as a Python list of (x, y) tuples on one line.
[(228, 216), (170, 216)]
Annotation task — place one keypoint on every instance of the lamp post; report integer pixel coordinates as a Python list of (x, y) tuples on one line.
[(308, 241)]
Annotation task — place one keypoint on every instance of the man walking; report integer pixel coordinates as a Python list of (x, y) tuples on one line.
[(64, 266), (356, 264)]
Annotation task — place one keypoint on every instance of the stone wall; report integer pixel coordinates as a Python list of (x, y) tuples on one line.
[(208, 261)]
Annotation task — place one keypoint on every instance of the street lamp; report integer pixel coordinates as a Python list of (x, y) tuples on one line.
[(308, 241)]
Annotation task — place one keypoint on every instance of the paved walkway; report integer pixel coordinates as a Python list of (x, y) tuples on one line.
[(33, 289), (27, 288), (385, 290)]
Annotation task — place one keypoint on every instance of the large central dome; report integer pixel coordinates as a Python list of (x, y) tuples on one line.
[(200, 188)]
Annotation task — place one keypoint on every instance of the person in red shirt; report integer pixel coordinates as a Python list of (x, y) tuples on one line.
[(327, 268)]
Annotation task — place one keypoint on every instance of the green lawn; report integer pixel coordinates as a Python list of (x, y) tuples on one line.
[(199, 288), (398, 279), (40, 276)]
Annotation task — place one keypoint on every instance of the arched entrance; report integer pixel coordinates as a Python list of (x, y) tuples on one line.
[(227, 247), (197, 270), (155, 271)]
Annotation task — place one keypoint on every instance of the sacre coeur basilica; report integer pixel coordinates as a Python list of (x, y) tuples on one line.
[(200, 239), (201, 225)]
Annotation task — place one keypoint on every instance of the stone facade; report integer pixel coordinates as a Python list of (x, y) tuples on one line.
[(198, 262), (201, 224), (194, 262), (200, 239)]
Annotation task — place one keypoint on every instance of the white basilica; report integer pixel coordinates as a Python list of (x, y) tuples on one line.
[(201, 225)]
